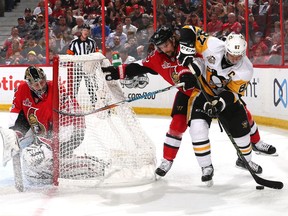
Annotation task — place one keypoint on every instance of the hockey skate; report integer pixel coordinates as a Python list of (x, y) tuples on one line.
[(164, 167), (255, 167), (207, 174), (263, 148)]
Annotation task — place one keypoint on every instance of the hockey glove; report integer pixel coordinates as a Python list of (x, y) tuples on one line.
[(214, 107), (186, 54), (113, 73), (188, 78)]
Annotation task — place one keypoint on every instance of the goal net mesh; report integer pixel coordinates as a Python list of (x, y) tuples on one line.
[(104, 148)]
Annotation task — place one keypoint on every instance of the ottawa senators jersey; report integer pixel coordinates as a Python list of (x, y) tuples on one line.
[(38, 113), (165, 66), (219, 74)]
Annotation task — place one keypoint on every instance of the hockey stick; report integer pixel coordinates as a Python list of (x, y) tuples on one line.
[(258, 180), (120, 102), (17, 168)]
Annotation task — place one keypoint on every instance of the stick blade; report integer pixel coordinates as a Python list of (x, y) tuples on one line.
[(268, 183), (17, 168)]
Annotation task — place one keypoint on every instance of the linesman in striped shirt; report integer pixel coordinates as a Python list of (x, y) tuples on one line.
[(83, 45)]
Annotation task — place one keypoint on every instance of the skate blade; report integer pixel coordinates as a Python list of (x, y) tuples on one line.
[(209, 183), (264, 154)]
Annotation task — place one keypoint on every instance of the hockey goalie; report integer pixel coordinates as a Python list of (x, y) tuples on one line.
[(30, 129)]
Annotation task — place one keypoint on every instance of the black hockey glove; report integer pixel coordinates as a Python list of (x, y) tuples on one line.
[(187, 78), (214, 107), (111, 73), (186, 54)]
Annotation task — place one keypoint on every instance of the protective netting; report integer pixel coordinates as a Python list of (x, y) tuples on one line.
[(105, 148)]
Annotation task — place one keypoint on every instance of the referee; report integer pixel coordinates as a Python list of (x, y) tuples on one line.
[(83, 45)]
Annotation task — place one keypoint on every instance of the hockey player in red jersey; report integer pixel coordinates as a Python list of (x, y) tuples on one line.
[(31, 119)]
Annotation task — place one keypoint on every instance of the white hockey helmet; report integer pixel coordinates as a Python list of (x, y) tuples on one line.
[(235, 44)]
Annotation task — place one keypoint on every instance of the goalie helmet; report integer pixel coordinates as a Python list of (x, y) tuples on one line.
[(36, 80), (161, 35), (235, 44)]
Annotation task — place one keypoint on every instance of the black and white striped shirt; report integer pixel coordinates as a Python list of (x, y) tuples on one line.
[(79, 47)]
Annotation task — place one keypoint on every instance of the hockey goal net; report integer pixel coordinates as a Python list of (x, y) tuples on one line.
[(104, 148)]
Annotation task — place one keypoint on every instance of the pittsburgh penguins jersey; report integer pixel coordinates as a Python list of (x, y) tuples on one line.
[(219, 74)]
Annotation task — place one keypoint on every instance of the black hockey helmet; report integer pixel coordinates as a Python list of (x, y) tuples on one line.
[(36, 80), (161, 35)]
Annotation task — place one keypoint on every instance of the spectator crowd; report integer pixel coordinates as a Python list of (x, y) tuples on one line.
[(129, 25)]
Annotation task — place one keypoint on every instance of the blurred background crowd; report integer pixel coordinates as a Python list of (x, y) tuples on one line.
[(130, 23)]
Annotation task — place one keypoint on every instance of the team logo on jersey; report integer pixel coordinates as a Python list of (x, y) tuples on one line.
[(175, 77), (36, 126), (245, 124), (211, 59), (27, 103), (166, 65)]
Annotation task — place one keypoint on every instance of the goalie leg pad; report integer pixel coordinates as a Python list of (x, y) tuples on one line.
[(38, 163), (10, 144)]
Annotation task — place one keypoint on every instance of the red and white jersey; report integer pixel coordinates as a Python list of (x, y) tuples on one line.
[(37, 112), (165, 66)]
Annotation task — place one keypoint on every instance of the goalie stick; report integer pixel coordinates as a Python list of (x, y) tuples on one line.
[(17, 168), (258, 180), (119, 102)]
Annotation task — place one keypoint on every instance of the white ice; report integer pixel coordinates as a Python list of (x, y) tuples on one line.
[(181, 192)]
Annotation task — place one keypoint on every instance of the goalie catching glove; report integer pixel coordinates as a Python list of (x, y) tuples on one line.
[(213, 108), (113, 73), (186, 54)]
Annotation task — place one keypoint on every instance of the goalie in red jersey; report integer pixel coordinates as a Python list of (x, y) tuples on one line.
[(31, 119)]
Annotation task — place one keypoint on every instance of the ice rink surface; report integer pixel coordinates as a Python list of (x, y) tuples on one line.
[(181, 192)]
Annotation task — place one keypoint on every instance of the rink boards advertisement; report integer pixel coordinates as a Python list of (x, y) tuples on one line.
[(266, 95)]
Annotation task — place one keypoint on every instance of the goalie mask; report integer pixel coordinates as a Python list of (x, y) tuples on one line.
[(235, 48), (36, 80)]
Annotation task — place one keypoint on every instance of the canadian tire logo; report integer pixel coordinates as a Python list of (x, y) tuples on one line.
[(280, 91)]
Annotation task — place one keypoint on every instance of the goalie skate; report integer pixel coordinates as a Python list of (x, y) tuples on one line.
[(207, 175), (262, 148)]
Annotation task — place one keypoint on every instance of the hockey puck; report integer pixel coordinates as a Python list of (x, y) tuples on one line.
[(260, 187)]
